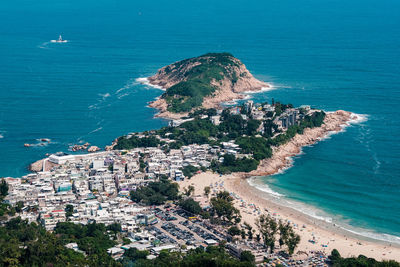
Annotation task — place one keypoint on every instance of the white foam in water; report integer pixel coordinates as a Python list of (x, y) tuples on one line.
[(248, 95), (308, 210), (123, 95), (128, 85), (263, 187), (373, 235), (358, 118), (96, 130), (145, 81), (263, 89), (319, 214), (104, 96)]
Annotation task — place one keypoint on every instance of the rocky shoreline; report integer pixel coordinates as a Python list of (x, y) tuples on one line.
[(282, 156)]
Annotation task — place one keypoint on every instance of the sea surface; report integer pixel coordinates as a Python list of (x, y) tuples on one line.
[(331, 54)]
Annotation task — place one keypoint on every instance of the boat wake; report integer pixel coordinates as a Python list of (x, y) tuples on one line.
[(96, 130), (44, 45), (103, 98)]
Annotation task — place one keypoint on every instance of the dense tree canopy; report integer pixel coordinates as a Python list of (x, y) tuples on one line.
[(222, 207), (3, 189), (257, 146), (134, 141), (191, 206), (91, 238), (231, 164), (24, 244), (212, 256), (360, 261), (156, 193)]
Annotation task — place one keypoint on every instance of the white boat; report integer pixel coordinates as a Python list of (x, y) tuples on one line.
[(59, 40)]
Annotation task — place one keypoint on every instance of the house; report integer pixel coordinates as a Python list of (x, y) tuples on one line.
[(115, 252), (157, 250), (61, 158), (216, 120)]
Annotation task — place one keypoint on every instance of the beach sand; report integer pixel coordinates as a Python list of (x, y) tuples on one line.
[(322, 232)]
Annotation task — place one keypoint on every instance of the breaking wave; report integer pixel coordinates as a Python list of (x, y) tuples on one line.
[(146, 82), (253, 181)]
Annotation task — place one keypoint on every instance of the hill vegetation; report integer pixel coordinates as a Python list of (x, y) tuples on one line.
[(186, 95), (189, 81)]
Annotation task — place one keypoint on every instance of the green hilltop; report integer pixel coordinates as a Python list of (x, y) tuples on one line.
[(196, 76)]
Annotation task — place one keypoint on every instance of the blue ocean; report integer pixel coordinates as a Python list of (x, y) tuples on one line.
[(331, 54)]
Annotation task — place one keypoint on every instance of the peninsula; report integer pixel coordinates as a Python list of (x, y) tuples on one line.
[(205, 81), (162, 196)]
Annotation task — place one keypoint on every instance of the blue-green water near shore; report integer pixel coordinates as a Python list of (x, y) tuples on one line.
[(331, 54)]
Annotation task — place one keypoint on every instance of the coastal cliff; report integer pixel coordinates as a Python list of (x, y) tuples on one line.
[(204, 81)]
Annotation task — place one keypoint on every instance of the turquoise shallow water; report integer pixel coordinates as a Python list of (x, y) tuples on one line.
[(333, 55)]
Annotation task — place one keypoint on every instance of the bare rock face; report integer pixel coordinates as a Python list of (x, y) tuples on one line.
[(226, 77)]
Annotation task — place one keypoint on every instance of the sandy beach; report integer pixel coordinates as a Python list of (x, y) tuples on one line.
[(252, 202)]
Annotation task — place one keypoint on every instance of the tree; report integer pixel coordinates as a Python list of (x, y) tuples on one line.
[(189, 190), (293, 241), (207, 190), (361, 260), (222, 206), (288, 237), (231, 164), (190, 205), (233, 231), (247, 256), (69, 210), (252, 126), (268, 228), (115, 228), (3, 189), (189, 171), (250, 234), (156, 193), (335, 256), (243, 234), (28, 244), (19, 206), (135, 254)]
